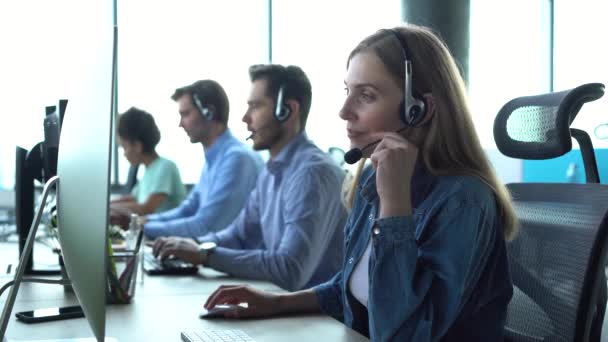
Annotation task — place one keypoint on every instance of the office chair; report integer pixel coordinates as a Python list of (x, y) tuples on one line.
[(557, 261)]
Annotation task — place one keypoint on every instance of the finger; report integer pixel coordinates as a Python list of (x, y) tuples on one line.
[(158, 244), (167, 249), (392, 141), (377, 157), (211, 298), (373, 136), (228, 295), (390, 144)]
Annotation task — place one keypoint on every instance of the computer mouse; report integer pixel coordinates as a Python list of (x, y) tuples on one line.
[(218, 310)]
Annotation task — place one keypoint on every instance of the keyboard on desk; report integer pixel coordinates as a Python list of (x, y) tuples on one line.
[(154, 266), (215, 336)]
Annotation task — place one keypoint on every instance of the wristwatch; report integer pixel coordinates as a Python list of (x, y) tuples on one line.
[(205, 249)]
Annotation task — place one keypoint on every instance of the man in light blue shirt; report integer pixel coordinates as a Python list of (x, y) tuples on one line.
[(290, 231), (230, 171)]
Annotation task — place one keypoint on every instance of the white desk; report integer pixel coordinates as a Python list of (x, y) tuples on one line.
[(164, 306)]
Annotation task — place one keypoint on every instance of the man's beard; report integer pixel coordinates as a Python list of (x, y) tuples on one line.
[(270, 140)]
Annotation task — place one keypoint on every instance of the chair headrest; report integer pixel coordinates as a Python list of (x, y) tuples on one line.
[(538, 127)]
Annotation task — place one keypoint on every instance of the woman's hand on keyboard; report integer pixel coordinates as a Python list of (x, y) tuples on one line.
[(259, 303)]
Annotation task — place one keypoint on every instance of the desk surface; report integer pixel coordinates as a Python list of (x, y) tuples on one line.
[(164, 306)]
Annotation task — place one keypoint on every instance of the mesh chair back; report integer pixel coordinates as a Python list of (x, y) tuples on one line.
[(556, 260), (538, 127)]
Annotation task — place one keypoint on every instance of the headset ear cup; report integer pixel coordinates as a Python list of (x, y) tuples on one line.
[(283, 113), (417, 111), (207, 114), (282, 110), (423, 109)]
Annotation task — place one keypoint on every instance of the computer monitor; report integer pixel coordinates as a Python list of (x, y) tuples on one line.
[(82, 209), (39, 163), (52, 130), (83, 169), (82, 205)]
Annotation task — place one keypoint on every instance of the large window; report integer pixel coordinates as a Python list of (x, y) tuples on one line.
[(509, 56), (47, 49), (318, 36), (165, 45), (162, 45), (581, 54)]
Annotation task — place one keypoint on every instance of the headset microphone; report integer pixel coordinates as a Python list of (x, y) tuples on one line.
[(270, 125), (354, 155)]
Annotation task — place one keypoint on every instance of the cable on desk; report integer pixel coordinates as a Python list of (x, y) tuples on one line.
[(36, 280)]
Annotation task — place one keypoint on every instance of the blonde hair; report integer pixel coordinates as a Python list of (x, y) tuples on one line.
[(451, 146), (349, 186)]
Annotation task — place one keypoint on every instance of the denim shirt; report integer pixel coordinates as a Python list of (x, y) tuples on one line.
[(440, 274)]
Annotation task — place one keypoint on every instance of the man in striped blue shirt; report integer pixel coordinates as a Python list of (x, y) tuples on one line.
[(290, 230), (230, 171)]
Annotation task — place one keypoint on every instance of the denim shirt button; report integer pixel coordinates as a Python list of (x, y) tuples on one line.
[(376, 230), (371, 217), (350, 260)]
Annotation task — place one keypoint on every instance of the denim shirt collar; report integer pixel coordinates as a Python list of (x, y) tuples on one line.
[(421, 183), (284, 157), (213, 152)]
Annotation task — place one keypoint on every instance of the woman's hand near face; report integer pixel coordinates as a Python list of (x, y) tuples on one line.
[(394, 159)]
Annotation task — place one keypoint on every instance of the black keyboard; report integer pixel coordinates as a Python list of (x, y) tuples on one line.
[(173, 266)]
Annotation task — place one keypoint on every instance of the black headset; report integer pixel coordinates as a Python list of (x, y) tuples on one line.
[(206, 113), (281, 109), (413, 107)]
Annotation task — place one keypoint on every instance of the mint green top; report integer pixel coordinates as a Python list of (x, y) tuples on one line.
[(161, 177)]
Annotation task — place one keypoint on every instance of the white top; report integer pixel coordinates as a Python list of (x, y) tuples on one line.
[(359, 279)]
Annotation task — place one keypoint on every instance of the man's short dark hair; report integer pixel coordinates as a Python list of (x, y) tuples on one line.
[(294, 81), (138, 125), (210, 93)]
